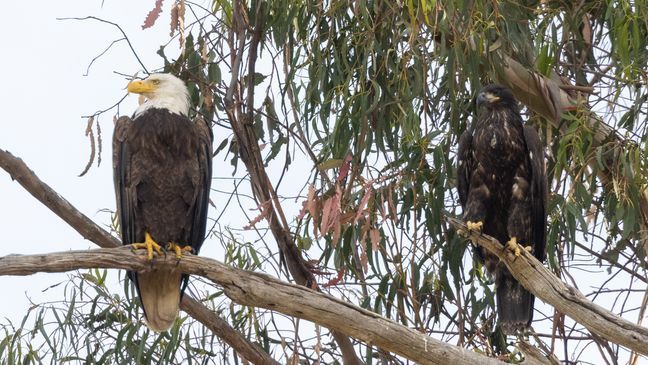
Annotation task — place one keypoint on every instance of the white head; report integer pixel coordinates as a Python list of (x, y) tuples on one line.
[(163, 91)]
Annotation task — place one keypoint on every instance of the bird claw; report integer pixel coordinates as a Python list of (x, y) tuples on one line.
[(475, 226), (178, 249), (513, 246), (150, 245)]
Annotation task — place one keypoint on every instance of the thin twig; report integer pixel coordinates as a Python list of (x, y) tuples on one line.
[(101, 54), (120, 29)]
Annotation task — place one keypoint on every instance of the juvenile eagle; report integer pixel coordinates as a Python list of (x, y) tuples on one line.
[(162, 172), (502, 187)]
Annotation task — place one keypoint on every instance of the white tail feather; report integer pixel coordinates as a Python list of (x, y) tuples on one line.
[(160, 296)]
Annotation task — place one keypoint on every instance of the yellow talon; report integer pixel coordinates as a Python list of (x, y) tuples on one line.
[(475, 226), (149, 244), (513, 246), (178, 250)]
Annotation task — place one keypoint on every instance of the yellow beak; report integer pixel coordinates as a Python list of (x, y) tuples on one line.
[(140, 87)]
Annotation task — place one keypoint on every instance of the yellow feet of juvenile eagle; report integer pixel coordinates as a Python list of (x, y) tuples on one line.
[(472, 227), (178, 249), (513, 245), (149, 245), (475, 226)]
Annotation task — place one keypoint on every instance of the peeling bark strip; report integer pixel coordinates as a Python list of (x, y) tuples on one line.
[(260, 290), (92, 232), (566, 299)]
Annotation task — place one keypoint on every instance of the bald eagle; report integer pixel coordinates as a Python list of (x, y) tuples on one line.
[(502, 187), (162, 176)]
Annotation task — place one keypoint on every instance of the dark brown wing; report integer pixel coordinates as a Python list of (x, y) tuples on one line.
[(201, 204), (538, 191), (465, 166), (126, 198)]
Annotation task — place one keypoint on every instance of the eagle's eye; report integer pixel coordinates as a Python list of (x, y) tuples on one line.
[(156, 82)]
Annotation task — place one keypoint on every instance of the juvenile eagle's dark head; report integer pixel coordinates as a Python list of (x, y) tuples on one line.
[(496, 96)]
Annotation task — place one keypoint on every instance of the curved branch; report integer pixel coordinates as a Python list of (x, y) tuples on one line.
[(566, 299), (259, 290), (92, 232)]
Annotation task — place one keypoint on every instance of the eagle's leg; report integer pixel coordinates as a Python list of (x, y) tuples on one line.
[(475, 207), (519, 223), (150, 245), (178, 249)]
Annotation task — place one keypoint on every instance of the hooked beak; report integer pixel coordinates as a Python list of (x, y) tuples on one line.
[(483, 98), (140, 87)]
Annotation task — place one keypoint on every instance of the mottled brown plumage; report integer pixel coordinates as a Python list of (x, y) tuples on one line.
[(502, 183), (162, 170)]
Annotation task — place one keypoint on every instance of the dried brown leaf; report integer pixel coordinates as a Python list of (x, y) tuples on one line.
[(346, 166), (153, 15), (361, 208), (181, 24), (175, 21), (331, 211), (336, 280), (265, 212), (311, 201), (337, 231), (99, 143), (364, 260), (365, 230), (374, 236), (90, 135)]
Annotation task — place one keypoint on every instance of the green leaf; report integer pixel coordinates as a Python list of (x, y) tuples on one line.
[(330, 164), (213, 73)]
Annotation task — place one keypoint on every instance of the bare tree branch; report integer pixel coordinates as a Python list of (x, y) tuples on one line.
[(566, 299), (92, 232), (260, 290)]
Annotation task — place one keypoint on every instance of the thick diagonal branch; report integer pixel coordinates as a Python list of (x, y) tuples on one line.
[(566, 299), (259, 290), (92, 232)]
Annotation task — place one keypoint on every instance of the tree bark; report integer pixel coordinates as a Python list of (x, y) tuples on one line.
[(260, 290), (568, 300)]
